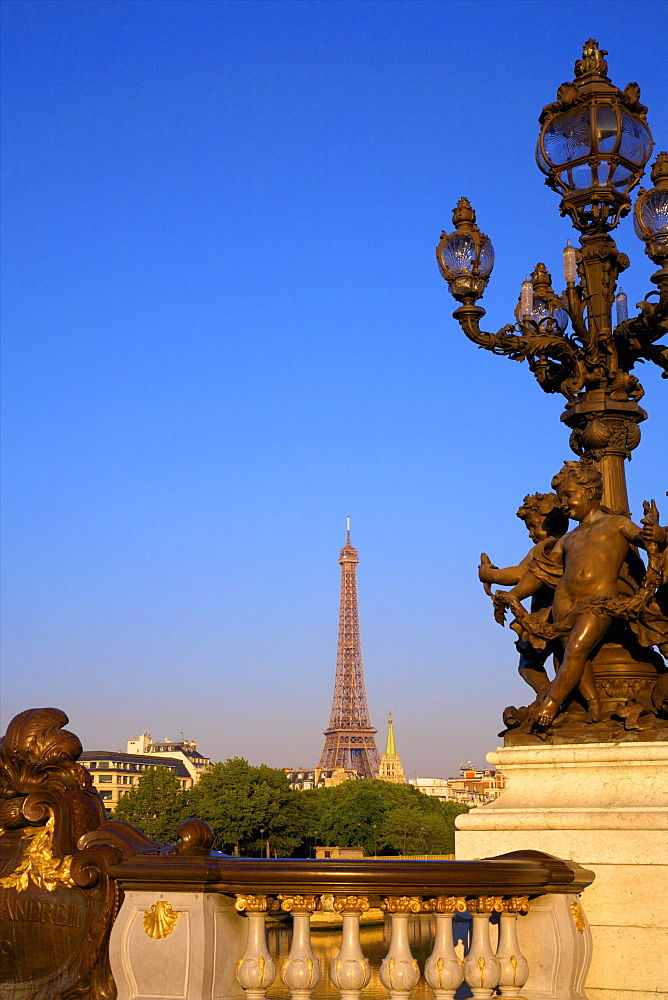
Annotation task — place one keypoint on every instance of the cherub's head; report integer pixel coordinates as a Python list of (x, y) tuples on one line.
[(544, 516), (579, 486)]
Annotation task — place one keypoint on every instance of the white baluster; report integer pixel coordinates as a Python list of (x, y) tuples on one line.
[(350, 971), (256, 970), (301, 969), (443, 970), (514, 966), (481, 967), (399, 972)]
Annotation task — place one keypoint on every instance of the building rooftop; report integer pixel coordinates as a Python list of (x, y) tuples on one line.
[(135, 761)]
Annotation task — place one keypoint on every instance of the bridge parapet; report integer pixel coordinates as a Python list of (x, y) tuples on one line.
[(93, 908)]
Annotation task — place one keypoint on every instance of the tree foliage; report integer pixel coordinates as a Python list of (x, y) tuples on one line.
[(156, 805), (249, 808), (382, 818), (253, 809)]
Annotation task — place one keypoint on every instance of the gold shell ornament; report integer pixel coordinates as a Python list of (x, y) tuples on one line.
[(161, 919)]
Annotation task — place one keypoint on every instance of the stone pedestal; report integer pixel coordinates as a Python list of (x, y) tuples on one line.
[(177, 945), (605, 806)]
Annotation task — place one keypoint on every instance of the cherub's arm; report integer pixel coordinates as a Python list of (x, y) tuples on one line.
[(530, 583), (507, 576), (651, 534), (527, 585)]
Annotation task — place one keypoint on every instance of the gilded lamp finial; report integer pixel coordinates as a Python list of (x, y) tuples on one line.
[(541, 279), (592, 59), (463, 213), (659, 169)]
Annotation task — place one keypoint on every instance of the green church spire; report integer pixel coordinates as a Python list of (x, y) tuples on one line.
[(390, 747)]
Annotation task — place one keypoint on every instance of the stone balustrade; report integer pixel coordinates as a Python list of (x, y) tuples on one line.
[(193, 925)]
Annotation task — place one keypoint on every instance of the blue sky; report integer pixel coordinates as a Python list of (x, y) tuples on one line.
[(224, 330)]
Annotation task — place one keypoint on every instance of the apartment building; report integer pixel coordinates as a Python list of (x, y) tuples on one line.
[(474, 786), (115, 773)]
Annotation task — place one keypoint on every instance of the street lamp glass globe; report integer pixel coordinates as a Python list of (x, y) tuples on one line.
[(541, 314), (653, 215), (567, 138), (459, 255), (635, 141), (593, 145)]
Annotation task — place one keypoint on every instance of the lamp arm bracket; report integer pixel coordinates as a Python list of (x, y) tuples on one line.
[(554, 359), (574, 306), (502, 342), (658, 353), (635, 338), (648, 326)]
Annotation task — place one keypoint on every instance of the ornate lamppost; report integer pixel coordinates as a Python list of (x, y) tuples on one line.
[(594, 644), (593, 146), (604, 617)]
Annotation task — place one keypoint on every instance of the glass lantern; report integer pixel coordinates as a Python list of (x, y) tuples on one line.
[(650, 217), (539, 304), (594, 144), (465, 257)]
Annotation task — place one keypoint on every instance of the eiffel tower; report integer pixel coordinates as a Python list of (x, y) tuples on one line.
[(350, 739)]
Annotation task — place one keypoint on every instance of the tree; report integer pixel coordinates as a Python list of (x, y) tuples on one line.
[(156, 805), (382, 818), (249, 808)]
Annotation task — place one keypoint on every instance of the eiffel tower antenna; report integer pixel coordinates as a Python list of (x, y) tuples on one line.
[(350, 738)]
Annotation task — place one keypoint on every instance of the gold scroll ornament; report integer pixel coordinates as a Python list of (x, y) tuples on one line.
[(578, 916), (39, 865)]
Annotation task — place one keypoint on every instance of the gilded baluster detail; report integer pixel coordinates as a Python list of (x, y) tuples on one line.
[(350, 971), (512, 963), (402, 904), (301, 971), (482, 970), (443, 970), (399, 972), (256, 904), (256, 969), (485, 904), (305, 904)]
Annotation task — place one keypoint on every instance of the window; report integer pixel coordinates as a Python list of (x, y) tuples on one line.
[(92, 763), (104, 777), (105, 795)]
